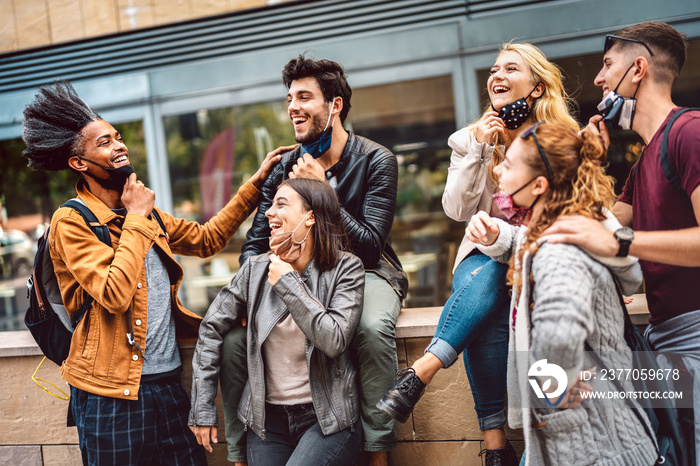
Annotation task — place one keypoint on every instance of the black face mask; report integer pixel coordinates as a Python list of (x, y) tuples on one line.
[(515, 113), (117, 176)]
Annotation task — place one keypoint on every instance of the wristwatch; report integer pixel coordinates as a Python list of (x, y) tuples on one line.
[(624, 236)]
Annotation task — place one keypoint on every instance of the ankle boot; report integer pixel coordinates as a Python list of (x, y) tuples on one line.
[(504, 456), (399, 401)]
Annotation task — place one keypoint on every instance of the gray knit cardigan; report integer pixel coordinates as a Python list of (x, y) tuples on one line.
[(575, 299)]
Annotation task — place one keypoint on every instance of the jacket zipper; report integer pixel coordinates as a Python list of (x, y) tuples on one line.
[(324, 378)]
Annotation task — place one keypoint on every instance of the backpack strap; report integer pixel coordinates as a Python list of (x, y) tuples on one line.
[(156, 215), (669, 170), (102, 233)]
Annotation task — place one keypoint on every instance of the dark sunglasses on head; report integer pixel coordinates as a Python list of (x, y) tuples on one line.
[(610, 41), (531, 132)]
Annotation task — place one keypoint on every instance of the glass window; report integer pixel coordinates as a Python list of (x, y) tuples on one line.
[(28, 199), (414, 119), (211, 153)]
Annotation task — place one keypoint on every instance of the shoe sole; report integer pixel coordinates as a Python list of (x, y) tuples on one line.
[(381, 405)]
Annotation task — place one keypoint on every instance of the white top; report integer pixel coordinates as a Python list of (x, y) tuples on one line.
[(468, 188), (286, 374)]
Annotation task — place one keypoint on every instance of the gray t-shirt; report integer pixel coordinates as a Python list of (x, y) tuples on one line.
[(161, 353)]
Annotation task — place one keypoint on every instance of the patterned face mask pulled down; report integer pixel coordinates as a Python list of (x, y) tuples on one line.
[(618, 111), (515, 113)]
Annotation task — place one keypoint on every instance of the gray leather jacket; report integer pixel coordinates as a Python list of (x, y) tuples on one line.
[(326, 306)]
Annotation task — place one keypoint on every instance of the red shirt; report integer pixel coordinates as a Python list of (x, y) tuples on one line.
[(656, 205)]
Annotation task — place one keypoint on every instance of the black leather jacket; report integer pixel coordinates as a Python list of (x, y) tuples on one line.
[(367, 176)]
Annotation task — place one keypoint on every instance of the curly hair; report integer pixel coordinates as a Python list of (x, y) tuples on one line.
[(329, 75), (553, 106), (52, 126), (579, 184)]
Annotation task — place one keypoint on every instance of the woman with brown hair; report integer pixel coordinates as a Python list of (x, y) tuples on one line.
[(563, 297), (302, 302)]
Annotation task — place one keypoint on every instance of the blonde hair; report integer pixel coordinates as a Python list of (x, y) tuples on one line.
[(553, 106), (579, 184)]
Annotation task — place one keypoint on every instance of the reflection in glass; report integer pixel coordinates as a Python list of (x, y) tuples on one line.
[(414, 119), (211, 153)]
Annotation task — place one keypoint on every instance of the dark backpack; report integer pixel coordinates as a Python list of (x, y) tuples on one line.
[(669, 170), (47, 318), (665, 427)]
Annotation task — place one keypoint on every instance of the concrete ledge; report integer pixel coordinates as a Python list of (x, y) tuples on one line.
[(412, 323), (422, 321)]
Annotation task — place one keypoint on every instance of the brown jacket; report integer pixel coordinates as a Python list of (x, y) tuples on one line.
[(101, 360)]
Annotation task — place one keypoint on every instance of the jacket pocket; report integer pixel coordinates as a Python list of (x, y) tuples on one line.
[(567, 437)]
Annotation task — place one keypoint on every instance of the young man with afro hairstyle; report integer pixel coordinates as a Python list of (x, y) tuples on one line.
[(124, 365)]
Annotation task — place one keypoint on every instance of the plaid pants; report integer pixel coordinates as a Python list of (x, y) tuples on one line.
[(149, 431)]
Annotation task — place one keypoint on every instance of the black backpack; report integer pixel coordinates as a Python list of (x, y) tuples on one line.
[(665, 427), (669, 170), (47, 319)]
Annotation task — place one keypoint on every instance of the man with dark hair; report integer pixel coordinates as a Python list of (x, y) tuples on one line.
[(365, 175), (661, 198), (124, 365)]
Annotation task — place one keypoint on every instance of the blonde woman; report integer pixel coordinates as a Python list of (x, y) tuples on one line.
[(563, 297), (524, 87)]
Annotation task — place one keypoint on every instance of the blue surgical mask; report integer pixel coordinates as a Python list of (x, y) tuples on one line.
[(319, 147)]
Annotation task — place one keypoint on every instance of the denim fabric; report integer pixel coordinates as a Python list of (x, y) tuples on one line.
[(375, 347), (149, 431), (293, 437), (681, 335), (474, 321)]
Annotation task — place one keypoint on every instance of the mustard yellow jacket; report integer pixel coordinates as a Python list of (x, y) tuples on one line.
[(101, 360)]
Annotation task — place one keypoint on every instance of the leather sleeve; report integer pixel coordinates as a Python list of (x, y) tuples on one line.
[(258, 236), (369, 233)]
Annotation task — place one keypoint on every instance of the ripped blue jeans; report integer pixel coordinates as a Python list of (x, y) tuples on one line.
[(474, 321)]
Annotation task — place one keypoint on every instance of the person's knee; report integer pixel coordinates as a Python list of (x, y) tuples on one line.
[(234, 352), (375, 333)]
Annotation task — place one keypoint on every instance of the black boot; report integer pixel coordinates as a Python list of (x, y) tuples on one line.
[(501, 457), (399, 401)]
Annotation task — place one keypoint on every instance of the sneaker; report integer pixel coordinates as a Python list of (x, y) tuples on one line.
[(505, 456), (399, 401)]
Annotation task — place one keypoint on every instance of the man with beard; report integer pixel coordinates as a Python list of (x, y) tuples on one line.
[(364, 175), (123, 366)]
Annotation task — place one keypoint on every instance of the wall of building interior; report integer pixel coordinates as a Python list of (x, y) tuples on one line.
[(197, 130)]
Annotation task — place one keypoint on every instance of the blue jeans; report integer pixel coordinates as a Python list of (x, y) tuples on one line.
[(293, 437), (474, 322)]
